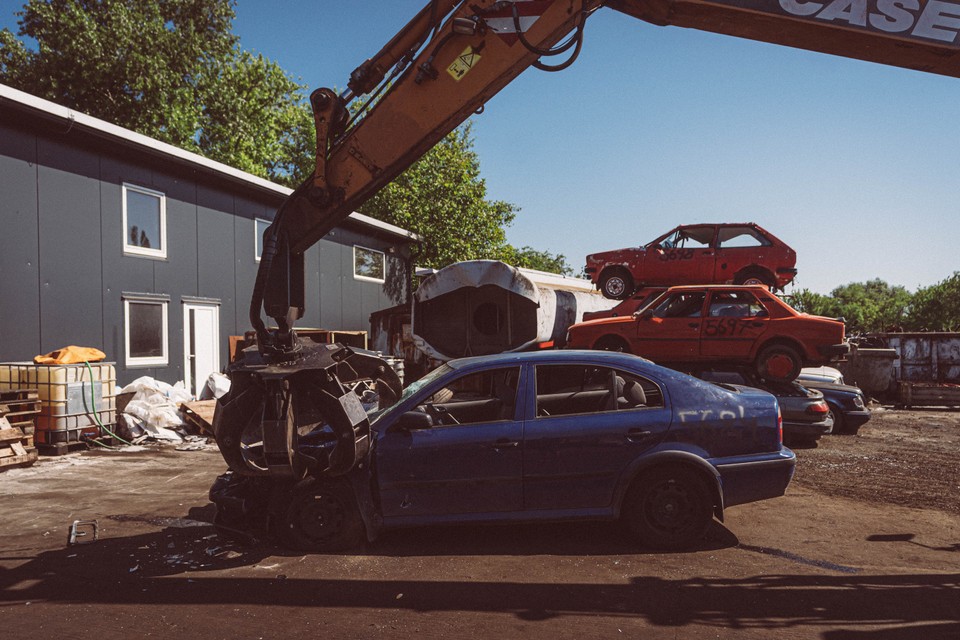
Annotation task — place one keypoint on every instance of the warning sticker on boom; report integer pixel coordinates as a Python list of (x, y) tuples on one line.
[(463, 63)]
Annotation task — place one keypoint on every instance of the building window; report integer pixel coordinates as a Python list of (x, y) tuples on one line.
[(369, 264), (145, 331), (144, 222), (259, 226)]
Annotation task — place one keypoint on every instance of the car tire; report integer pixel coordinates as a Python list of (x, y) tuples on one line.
[(616, 284), (668, 508), (779, 363), (839, 422), (321, 516), (612, 343), (755, 276)]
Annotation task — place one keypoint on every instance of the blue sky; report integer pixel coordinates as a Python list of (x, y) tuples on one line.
[(853, 164)]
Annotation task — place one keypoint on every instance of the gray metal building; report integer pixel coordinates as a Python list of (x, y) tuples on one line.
[(114, 240)]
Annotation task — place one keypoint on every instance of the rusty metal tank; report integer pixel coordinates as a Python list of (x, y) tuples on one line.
[(479, 307)]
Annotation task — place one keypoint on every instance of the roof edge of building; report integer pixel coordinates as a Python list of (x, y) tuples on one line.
[(109, 130)]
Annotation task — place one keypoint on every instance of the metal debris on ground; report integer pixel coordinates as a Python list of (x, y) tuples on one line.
[(83, 532)]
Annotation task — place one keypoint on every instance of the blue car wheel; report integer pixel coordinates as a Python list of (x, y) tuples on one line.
[(668, 508)]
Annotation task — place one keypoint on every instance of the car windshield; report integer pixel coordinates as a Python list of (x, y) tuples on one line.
[(411, 390)]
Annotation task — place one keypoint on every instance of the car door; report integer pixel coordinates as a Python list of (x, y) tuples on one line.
[(670, 332), (589, 422), (686, 256), (734, 321), (737, 248), (469, 462)]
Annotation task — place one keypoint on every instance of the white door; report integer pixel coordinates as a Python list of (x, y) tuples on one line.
[(201, 344)]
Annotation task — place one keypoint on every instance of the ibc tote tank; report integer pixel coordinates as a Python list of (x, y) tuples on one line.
[(480, 307)]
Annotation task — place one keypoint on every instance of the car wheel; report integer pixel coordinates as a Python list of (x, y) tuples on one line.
[(321, 516), (616, 284), (611, 343), (668, 508), (839, 422), (778, 362), (755, 276)]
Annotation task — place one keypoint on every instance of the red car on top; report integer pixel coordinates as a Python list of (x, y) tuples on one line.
[(719, 325), (742, 253)]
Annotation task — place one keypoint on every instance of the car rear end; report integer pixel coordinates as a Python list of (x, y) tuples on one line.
[(739, 431), (806, 415), (758, 466)]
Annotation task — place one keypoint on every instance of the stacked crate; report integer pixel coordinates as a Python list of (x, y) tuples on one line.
[(17, 412), (72, 399)]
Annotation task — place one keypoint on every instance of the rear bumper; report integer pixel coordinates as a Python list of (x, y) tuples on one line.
[(758, 478), (834, 350), (807, 430), (855, 419)]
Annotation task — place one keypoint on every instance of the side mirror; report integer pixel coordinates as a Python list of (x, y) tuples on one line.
[(414, 420), (645, 314)]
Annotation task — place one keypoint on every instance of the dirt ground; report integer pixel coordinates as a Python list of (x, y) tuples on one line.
[(866, 544), (907, 458)]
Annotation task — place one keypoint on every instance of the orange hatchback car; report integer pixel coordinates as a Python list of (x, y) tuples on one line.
[(717, 324), (742, 253)]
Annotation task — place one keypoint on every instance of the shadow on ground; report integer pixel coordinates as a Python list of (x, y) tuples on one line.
[(186, 562)]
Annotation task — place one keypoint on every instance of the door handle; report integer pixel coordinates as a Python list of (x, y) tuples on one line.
[(756, 324), (694, 325), (636, 435), (505, 443)]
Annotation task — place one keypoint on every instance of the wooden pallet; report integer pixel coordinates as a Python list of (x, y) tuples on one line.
[(16, 448), (199, 415)]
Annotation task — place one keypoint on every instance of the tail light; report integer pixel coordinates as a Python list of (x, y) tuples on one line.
[(818, 409), (779, 425)]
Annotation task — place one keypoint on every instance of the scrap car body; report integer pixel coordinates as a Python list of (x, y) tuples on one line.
[(549, 435), (715, 324), (742, 253)]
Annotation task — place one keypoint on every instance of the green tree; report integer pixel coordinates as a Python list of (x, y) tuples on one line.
[(936, 308), (530, 258), (816, 304), (443, 198), (169, 69), (871, 306)]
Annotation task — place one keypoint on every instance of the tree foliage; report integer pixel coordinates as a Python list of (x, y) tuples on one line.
[(531, 258), (936, 308), (867, 307), (443, 198), (169, 69)]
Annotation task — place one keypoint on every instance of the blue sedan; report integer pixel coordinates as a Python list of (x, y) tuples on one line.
[(553, 435)]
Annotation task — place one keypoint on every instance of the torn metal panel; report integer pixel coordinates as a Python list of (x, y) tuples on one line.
[(481, 307)]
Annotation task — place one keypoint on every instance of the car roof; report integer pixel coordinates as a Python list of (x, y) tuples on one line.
[(564, 356)]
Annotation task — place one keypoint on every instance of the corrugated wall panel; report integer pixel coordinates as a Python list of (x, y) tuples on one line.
[(70, 268), (20, 254)]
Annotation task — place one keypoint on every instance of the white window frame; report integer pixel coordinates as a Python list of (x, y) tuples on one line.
[(258, 238), (129, 249), (151, 361), (357, 276)]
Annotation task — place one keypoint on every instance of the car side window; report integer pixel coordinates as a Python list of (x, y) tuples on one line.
[(735, 304), (741, 237), (681, 305), (581, 389), (485, 396)]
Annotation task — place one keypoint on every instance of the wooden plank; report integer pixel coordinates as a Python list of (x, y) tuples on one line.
[(24, 460), (200, 414), (12, 434)]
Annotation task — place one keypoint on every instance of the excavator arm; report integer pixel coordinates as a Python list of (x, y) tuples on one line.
[(443, 66)]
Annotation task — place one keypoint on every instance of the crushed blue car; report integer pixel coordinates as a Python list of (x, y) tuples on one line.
[(525, 437)]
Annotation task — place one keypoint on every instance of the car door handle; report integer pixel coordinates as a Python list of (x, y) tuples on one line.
[(756, 324), (694, 325), (505, 443), (636, 435)]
